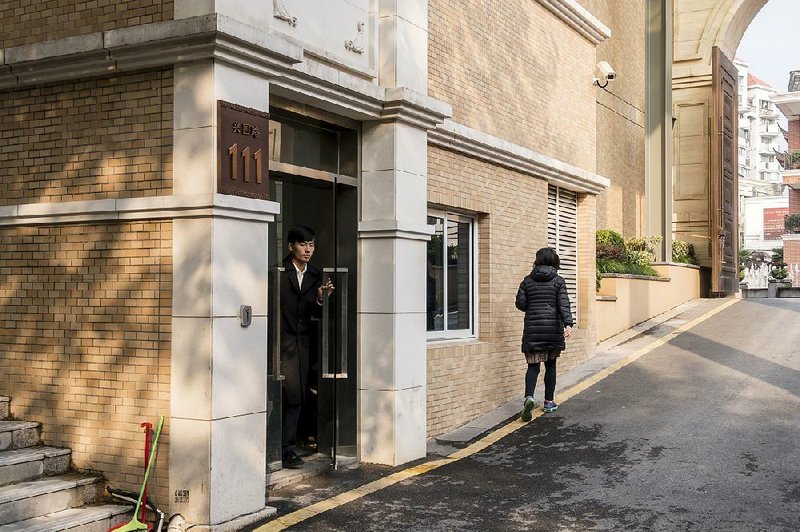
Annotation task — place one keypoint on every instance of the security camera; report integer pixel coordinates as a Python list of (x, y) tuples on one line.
[(607, 71)]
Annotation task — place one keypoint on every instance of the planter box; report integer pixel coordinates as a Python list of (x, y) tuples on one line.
[(787, 290), (625, 300), (754, 293), (774, 287)]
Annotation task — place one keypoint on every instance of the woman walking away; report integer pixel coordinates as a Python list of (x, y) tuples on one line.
[(542, 295)]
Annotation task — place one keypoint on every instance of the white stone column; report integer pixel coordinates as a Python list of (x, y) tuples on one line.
[(393, 234), (218, 375), (658, 143), (403, 44), (253, 13)]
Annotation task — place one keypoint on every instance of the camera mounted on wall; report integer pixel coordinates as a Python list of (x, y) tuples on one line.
[(607, 74)]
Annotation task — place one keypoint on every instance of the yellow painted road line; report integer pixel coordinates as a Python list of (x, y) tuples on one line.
[(308, 512)]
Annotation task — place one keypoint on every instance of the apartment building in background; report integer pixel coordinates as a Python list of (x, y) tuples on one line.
[(761, 142)]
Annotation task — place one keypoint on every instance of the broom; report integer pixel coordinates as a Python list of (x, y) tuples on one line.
[(135, 524)]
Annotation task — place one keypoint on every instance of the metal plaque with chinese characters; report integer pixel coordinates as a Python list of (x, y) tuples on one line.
[(243, 151)]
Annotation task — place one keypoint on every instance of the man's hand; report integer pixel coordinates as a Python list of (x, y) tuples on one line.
[(567, 331), (325, 288)]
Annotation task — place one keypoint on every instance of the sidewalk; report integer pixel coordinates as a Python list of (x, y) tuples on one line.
[(607, 353)]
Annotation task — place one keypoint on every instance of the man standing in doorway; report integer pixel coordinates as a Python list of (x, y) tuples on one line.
[(302, 290)]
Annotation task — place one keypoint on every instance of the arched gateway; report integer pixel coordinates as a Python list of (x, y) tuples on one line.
[(706, 34)]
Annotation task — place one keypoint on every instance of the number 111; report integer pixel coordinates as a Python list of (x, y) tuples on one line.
[(233, 151)]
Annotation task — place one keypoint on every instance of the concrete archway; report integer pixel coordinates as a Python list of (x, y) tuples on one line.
[(699, 26)]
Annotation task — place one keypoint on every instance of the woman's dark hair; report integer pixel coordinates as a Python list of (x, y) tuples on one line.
[(547, 257), (300, 233)]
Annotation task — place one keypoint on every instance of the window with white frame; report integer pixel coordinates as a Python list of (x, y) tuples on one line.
[(562, 235), (450, 278)]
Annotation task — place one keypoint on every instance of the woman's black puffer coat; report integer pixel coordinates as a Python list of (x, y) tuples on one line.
[(543, 297)]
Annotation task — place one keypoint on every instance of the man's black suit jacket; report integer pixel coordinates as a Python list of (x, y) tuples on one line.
[(298, 306)]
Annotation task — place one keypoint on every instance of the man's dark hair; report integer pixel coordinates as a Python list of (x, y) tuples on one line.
[(300, 233), (547, 257)]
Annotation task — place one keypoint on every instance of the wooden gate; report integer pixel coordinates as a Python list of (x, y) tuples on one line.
[(724, 196)]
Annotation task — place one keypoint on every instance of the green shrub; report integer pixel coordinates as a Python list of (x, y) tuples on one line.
[(614, 266), (639, 257), (777, 256), (618, 255), (609, 237), (641, 243), (610, 252), (683, 252), (779, 273), (791, 222)]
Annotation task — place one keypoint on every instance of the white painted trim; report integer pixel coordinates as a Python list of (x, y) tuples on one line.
[(462, 139), (579, 19), (474, 281), (133, 209), (788, 103), (394, 229)]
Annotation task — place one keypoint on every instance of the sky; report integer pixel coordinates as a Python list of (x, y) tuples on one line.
[(770, 45)]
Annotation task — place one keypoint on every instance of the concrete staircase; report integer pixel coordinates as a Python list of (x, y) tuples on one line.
[(39, 493)]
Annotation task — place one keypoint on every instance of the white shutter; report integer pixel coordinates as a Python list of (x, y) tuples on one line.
[(562, 234)]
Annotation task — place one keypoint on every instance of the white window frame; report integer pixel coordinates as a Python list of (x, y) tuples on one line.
[(472, 331)]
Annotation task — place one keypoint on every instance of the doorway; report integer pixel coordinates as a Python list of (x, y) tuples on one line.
[(316, 193)]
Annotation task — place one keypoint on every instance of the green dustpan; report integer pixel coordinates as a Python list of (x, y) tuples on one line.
[(135, 524)]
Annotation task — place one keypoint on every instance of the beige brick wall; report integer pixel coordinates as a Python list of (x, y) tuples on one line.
[(30, 21), (621, 116), (620, 158), (85, 340), (513, 70), (94, 139), (587, 260), (470, 378)]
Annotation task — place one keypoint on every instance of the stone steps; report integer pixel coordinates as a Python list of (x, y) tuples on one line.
[(19, 465), (19, 434), (37, 491), (44, 496), (87, 519), (5, 407)]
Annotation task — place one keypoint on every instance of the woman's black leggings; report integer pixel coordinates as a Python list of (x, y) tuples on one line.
[(549, 379)]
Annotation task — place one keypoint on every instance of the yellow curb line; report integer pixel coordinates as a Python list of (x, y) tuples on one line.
[(315, 509)]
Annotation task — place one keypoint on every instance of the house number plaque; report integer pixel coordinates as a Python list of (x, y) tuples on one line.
[(243, 165)]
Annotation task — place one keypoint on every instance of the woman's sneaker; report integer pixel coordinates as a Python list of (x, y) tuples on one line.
[(550, 406), (527, 408)]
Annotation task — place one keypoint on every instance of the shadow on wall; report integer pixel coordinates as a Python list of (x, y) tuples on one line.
[(486, 65), (85, 309), (86, 339)]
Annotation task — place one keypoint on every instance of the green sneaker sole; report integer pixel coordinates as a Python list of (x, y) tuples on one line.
[(548, 410), (525, 415)]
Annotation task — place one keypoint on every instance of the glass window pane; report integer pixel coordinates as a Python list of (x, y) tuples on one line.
[(459, 291), (435, 276), (348, 163), (304, 145)]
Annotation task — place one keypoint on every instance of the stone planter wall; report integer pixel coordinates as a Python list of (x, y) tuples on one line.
[(625, 300)]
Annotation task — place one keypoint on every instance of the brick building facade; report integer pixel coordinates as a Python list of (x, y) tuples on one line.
[(789, 104), (124, 269)]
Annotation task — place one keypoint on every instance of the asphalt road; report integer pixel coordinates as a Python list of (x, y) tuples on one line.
[(701, 434)]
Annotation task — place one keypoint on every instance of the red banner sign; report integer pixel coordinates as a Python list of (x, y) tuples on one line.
[(773, 222)]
